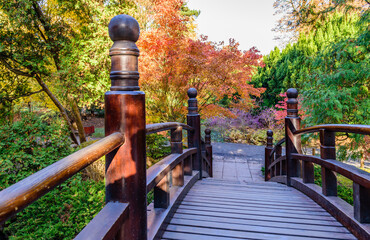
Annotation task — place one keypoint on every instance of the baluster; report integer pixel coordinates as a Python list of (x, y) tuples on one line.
[(279, 164), (293, 143), (188, 166), (361, 200), (125, 112), (327, 151), (176, 147), (268, 150), (162, 193), (308, 171), (193, 120), (207, 140)]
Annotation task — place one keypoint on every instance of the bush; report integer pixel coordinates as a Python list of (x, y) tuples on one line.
[(345, 190), (157, 147), (247, 127), (27, 146)]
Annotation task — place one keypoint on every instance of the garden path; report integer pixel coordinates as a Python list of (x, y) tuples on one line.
[(240, 162)]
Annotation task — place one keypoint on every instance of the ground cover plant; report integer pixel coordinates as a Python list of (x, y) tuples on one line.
[(245, 127), (28, 145)]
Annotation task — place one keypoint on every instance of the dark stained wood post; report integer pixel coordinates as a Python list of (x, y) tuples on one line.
[(293, 143), (207, 139), (327, 151), (162, 193), (193, 120), (361, 203), (176, 147), (188, 166), (125, 112), (268, 150)]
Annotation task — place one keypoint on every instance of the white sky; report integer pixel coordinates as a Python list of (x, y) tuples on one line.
[(249, 22)]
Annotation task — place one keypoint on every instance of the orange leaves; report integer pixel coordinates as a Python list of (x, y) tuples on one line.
[(171, 62)]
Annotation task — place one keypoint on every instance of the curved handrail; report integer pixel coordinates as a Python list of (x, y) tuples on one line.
[(356, 175), (348, 128), (159, 127), (21, 194), (282, 158), (159, 170), (276, 145)]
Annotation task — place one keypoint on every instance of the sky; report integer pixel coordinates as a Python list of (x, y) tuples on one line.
[(249, 22)]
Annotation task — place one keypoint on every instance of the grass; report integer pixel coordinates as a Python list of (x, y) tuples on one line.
[(99, 133)]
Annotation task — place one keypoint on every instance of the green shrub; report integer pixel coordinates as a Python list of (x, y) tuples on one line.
[(345, 190), (157, 147), (60, 214), (27, 146), (99, 133)]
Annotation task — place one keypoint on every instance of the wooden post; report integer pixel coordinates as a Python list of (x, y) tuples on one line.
[(162, 193), (327, 151), (188, 166), (125, 112), (176, 147), (193, 120), (207, 140), (361, 206), (293, 143), (268, 150)]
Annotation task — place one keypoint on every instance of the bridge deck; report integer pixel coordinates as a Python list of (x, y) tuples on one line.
[(221, 209), (231, 207)]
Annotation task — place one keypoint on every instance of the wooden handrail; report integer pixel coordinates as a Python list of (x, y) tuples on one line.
[(351, 172), (282, 158), (159, 170), (21, 194), (297, 170), (277, 145), (159, 127), (347, 128)]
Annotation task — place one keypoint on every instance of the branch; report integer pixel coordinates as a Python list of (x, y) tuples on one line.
[(16, 71), (24, 95)]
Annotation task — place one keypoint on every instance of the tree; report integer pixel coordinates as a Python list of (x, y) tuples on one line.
[(172, 61), (60, 46), (291, 66), (302, 16)]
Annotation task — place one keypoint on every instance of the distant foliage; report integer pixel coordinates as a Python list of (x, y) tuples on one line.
[(292, 66), (172, 61), (157, 147), (245, 127)]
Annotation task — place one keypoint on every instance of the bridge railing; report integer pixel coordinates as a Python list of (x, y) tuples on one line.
[(297, 170), (127, 181)]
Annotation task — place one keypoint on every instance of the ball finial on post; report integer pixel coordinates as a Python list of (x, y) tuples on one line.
[(269, 133), (124, 31), (292, 103), (207, 137), (192, 102)]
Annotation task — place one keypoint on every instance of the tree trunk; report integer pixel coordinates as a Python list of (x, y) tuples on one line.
[(77, 116), (59, 106)]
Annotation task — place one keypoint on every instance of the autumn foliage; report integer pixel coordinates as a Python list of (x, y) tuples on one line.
[(172, 61)]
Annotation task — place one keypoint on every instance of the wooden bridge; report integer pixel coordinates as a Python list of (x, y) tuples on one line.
[(188, 202)]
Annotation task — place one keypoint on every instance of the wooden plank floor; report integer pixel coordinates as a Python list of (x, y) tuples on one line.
[(222, 209)]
